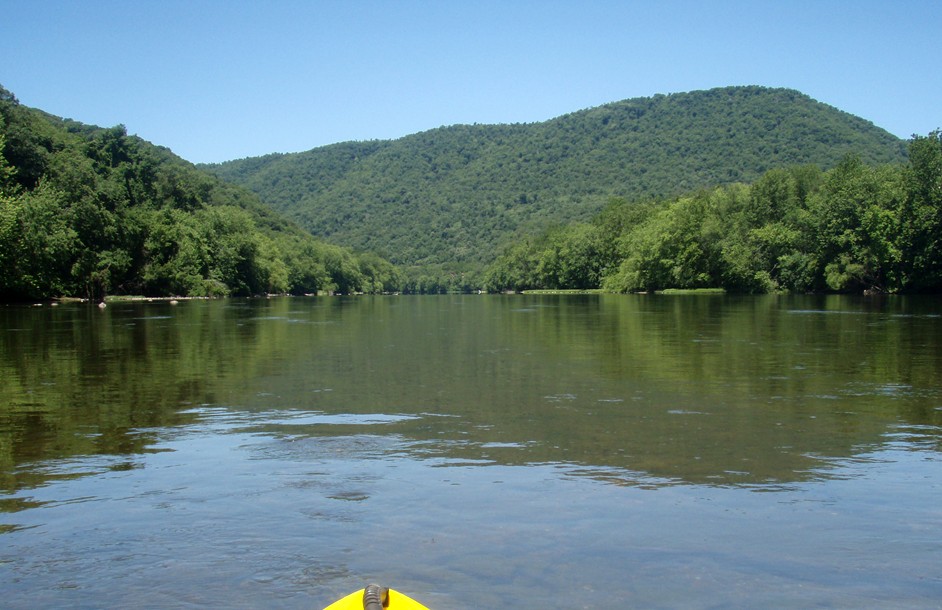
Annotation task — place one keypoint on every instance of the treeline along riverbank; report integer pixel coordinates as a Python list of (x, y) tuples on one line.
[(88, 211), (853, 228)]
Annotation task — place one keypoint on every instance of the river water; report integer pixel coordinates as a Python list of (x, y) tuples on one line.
[(474, 452)]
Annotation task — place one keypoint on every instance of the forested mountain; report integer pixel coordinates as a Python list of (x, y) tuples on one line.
[(87, 211), (745, 188), (453, 197), (853, 228)]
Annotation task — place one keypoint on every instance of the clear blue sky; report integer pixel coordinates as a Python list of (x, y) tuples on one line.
[(222, 79)]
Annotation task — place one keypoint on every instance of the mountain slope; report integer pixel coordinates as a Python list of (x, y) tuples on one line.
[(90, 212), (455, 195)]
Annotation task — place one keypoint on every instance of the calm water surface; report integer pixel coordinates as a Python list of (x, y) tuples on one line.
[(473, 451)]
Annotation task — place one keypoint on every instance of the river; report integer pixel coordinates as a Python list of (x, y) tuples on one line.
[(514, 451)]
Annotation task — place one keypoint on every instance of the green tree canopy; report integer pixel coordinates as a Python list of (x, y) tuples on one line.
[(854, 228), (87, 211)]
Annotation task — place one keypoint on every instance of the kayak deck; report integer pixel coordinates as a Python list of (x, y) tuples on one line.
[(394, 600)]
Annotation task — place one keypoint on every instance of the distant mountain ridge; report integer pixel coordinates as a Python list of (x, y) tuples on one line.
[(451, 197)]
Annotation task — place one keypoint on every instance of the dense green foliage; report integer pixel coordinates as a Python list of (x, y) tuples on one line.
[(853, 228), (86, 211), (451, 198), (596, 199)]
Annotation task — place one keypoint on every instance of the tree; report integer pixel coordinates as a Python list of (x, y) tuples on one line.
[(570, 259), (176, 258), (378, 274), (37, 245), (670, 250), (920, 222), (855, 212), (7, 185), (516, 268), (771, 197)]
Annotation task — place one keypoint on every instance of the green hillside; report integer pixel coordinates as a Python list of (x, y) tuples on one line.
[(854, 228), (88, 212), (455, 196)]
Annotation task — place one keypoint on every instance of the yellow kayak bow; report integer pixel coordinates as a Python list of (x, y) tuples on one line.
[(375, 597)]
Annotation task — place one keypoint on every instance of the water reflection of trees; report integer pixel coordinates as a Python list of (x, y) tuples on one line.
[(81, 381), (734, 390), (637, 389)]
